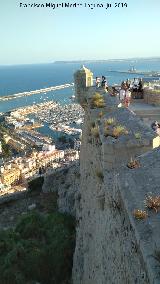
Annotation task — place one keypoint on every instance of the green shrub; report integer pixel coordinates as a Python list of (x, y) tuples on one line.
[(40, 249), (31, 226)]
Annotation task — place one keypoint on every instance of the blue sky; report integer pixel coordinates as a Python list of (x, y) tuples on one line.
[(36, 35)]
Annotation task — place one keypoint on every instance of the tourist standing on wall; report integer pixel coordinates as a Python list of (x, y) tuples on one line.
[(104, 83), (135, 85), (140, 88), (140, 85), (128, 83), (127, 100), (98, 81), (124, 85), (122, 96)]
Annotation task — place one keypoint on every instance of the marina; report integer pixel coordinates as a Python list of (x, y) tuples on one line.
[(66, 119), (59, 119)]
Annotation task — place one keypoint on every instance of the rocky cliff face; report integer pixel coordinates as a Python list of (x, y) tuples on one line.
[(66, 183), (111, 245)]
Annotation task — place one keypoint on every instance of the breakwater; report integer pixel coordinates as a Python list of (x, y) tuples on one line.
[(40, 91), (143, 73)]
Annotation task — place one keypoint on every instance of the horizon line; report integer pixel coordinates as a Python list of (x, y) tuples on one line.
[(82, 60)]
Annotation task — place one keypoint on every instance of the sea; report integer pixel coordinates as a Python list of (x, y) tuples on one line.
[(22, 78)]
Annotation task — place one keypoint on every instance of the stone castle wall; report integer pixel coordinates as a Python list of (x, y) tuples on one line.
[(112, 247)]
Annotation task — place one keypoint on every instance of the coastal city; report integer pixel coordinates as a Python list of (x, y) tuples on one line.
[(26, 154)]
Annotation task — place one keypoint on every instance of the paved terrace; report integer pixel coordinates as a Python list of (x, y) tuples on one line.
[(149, 113)]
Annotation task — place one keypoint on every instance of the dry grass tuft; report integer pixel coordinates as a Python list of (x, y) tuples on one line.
[(110, 121), (140, 214), (133, 164), (95, 132), (119, 130), (97, 101), (153, 202)]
